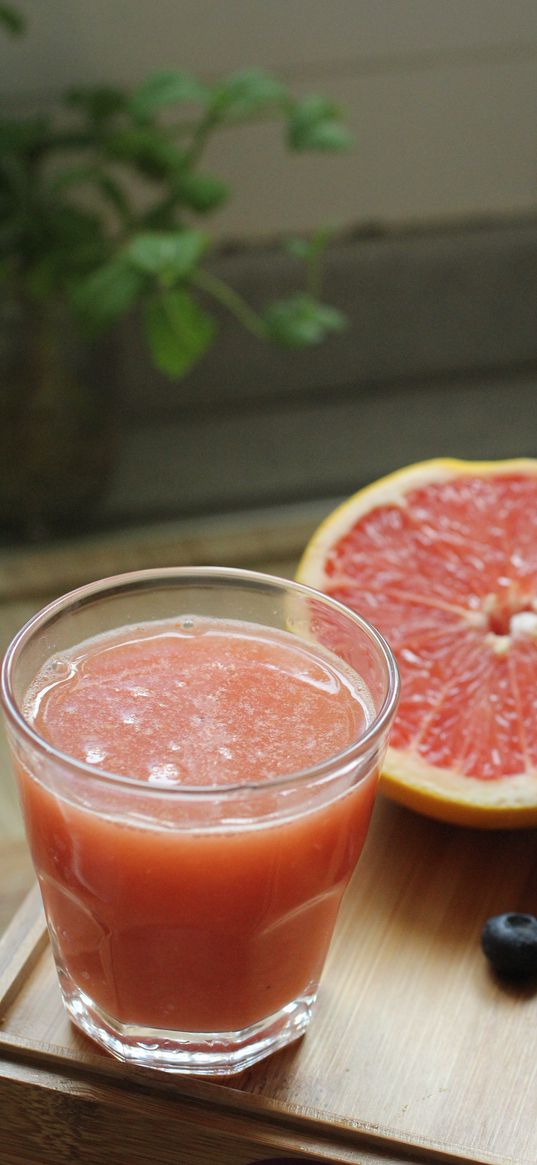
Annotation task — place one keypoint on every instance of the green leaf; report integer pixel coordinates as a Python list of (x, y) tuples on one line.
[(202, 192), (82, 259), (148, 149), (66, 226), (298, 248), (169, 255), (247, 92), (311, 248), (71, 223), (177, 330), (161, 216), (315, 124), (107, 294), (167, 87), (12, 234), (43, 279), (14, 180), (93, 176), (300, 321), (73, 176), (99, 102), (12, 20), (23, 136), (328, 136)]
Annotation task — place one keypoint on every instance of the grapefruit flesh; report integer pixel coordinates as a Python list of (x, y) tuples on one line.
[(442, 558)]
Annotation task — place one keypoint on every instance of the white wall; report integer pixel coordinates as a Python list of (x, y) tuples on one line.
[(441, 95)]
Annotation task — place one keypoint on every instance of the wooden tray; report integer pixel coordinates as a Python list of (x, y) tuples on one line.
[(415, 1052)]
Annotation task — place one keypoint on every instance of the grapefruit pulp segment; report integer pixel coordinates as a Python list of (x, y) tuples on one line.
[(442, 558)]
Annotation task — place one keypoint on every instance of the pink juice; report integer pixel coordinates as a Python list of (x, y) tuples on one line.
[(194, 925)]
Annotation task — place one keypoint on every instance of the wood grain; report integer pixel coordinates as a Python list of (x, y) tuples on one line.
[(20, 948), (16, 877), (50, 1119), (415, 1051)]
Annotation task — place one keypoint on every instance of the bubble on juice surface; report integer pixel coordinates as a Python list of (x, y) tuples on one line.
[(129, 717), (164, 774), (60, 667), (95, 755), (193, 626), (57, 671)]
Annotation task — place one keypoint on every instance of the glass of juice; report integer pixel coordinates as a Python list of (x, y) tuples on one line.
[(197, 753)]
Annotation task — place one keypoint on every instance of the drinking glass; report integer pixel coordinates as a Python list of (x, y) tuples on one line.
[(190, 922)]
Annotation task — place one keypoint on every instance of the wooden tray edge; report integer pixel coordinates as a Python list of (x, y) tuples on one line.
[(21, 945)]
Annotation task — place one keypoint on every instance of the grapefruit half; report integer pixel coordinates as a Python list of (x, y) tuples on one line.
[(442, 558)]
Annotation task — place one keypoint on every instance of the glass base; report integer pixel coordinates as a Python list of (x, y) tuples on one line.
[(188, 1053)]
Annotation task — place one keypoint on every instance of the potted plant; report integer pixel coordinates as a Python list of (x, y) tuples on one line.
[(79, 250)]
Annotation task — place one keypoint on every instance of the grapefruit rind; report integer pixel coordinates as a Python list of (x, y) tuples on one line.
[(505, 803)]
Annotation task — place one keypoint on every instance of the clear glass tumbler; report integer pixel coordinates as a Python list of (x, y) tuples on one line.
[(190, 918)]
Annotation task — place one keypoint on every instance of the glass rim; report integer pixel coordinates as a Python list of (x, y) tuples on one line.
[(118, 583)]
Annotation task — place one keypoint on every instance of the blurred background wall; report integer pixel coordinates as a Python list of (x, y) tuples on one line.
[(442, 96), (436, 265)]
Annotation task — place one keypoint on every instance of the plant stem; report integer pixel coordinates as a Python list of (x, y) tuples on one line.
[(314, 276), (199, 138), (232, 301)]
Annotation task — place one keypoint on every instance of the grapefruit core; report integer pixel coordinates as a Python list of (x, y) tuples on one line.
[(442, 558)]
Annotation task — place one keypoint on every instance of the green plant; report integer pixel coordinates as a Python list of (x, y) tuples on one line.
[(70, 226)]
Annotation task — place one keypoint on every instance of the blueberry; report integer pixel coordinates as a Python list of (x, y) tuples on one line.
[(509, 942)]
